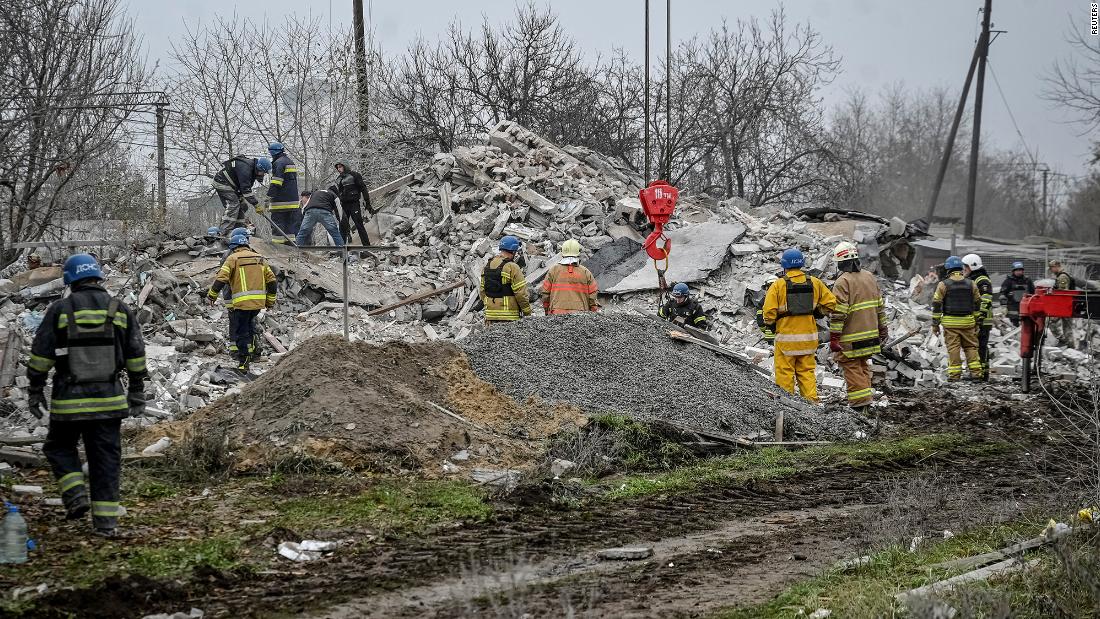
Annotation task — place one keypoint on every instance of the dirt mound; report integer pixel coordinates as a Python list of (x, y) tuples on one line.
[(376, 407)]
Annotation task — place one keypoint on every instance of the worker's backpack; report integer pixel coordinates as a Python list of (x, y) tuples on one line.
[(800, 297), (494, 280), (92, 348), (958, 299)]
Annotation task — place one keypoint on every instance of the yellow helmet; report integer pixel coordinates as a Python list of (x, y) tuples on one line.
[(845, 251), (571, 249)]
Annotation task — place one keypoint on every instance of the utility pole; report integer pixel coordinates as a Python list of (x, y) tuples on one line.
[(950, 146), (972, 182), (1045, 173), (162, 196), (361, 78)]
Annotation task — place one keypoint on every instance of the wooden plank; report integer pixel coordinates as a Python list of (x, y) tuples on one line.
[(145, 290), (391, 186), (9, 357), (684, 337), (762, 444), (990, 557), (459, 417), (997, 569), (779, 427), (427, 294), (715, 436), (274, 341)]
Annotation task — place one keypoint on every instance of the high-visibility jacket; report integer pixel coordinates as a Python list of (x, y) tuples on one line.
[(956, 303), (985, 289), (514, 300), (282, 192), (690, 312), (250, 280), (81, 401), (858, 315), (795, 335), (569, 288)]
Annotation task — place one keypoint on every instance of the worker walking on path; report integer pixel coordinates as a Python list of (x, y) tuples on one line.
[(681, 308), (857, 327), (790, 308), (1013, 289), (569, 287), (349, 185), (253, 288), (320, 208), (975, 271), (1062, 328), (282, 194), (233, 184), (503, 285), (956, 305), (88, 339)]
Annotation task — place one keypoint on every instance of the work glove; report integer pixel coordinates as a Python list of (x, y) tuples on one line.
[(36, 401), (834, 342), (211, 301), (135, 401), (936, 329), (883, 334)]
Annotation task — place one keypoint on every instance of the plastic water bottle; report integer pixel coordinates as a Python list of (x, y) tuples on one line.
[(13, 536)]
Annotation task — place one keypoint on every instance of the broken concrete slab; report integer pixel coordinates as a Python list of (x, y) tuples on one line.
[(625, 553), (697, 250), (196, 330)]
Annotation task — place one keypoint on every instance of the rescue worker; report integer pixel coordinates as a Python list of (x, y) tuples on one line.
[(682, 309), (252, 284), (790, 308), (503, 285), (857, 327), (350, 187), (765, 329), (88, 339), (956, 305), (1013, 289), (254, 349), (569, 287), (1062, 328), (320, 208), (282, 194), (975, 271), (233, 184)]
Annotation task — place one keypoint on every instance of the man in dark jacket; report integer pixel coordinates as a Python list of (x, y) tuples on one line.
[(282, 192), (320, 208), (349, 186), (682, 309), (233, 183), (974, 270), (1013, 289), (88, 339)]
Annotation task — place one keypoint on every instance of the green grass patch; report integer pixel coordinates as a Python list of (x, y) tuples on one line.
[(390, 507), (775, 462), (177, 558)]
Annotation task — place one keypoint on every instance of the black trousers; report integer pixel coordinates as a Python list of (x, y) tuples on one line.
[(242, 329), (103, 449), (351, 210), (983, 347)]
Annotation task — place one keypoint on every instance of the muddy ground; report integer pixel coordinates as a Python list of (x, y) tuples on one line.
[(724, 545)]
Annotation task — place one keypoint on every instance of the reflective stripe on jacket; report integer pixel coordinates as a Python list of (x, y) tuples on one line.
[(691, 312), (985, 289), (508, 307), (283, 190), (965, 321), (858, 314), (569, 288), (251, 281), (795, 335)]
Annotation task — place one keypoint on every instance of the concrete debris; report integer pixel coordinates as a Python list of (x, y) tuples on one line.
[(626, 553), (194, 613), (27, 490), (559, 467)]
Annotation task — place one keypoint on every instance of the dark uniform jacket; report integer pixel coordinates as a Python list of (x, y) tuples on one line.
[(350, 186), (283, 190), (985, 289), (240, 173), (82, 401), (323, 199), (689, 313), (1013, 290)]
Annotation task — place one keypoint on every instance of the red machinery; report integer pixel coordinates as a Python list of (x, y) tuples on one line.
[(658, 202), (1048, 303)]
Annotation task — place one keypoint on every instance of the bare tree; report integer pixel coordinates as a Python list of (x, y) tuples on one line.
[(1075, 82), (71, 79)]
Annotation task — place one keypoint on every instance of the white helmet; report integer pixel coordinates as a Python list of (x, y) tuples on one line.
[(845, 251), (973, 261)]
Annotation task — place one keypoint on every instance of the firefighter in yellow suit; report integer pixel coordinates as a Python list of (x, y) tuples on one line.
[(503, 285), (790, 309)]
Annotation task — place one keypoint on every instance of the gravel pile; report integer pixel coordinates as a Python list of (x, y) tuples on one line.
[(627, 364)]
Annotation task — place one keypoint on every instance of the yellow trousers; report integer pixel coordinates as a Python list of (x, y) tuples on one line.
[(788, 369), (961, 342), (857, 375)]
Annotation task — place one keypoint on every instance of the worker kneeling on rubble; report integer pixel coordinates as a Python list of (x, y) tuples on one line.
[(252, 286), (569, 287), (857, 327), (682, 309), (956, 305), (503, 285), (88, 339), (791, 307)]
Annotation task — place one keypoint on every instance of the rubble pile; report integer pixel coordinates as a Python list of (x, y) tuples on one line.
[(628, 365)]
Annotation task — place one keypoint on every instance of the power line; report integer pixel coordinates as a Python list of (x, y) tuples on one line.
[(1012, 116)]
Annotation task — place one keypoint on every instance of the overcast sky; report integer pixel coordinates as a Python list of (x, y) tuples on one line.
[(921, 43)]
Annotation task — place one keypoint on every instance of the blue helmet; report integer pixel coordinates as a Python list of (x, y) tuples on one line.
[(1017, 265), (80, 266), (237, 240), (212, 231), (510, 243), (264, 164), (953, 263), (792, 259), (238, 232), (680, 290), (275, 148)]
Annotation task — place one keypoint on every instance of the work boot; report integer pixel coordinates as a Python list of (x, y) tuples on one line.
[(108, 533), (77, 508)]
